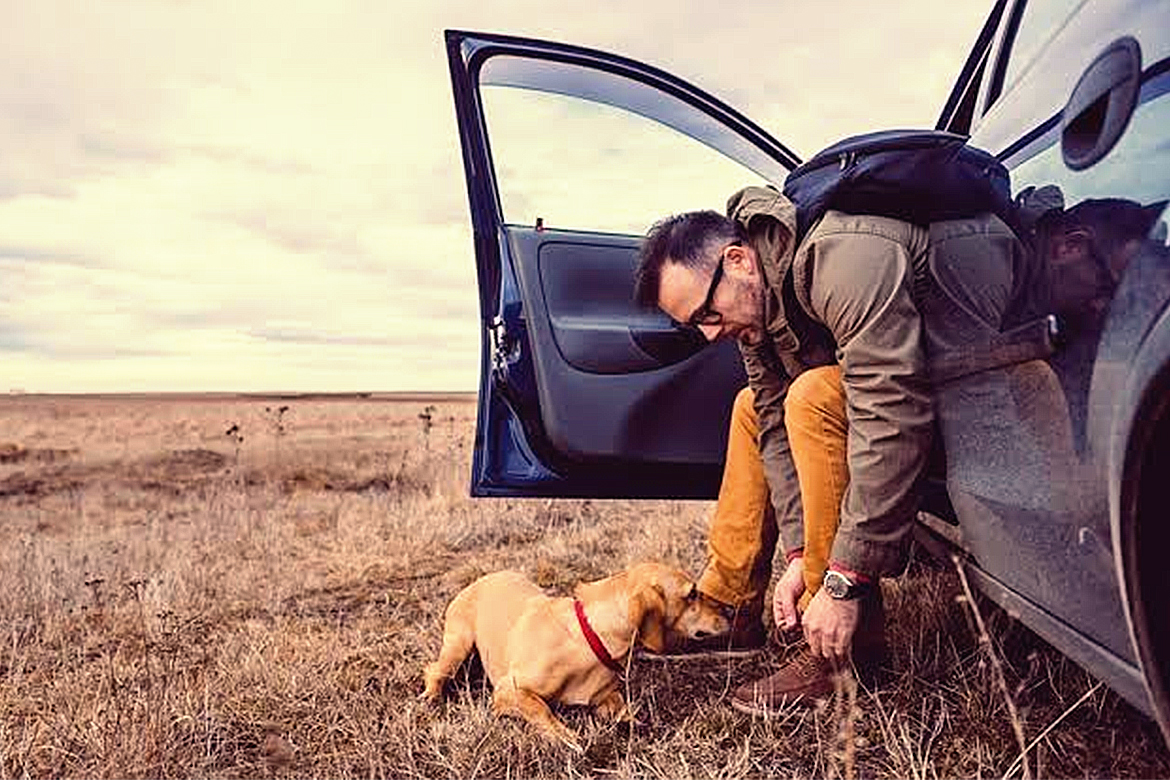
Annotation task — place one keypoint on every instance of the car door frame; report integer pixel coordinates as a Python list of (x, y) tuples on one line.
[(516, 452)]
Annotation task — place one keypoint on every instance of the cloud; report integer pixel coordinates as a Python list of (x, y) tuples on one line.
[(316, 337), (17, 339), (297, 233), (42, 254), (251, 195), (249, 158)]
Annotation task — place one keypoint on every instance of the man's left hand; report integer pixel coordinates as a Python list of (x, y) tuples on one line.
[(787, 593), (829, 625)]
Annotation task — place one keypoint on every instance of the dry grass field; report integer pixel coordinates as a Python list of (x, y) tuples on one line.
[(232, 586)]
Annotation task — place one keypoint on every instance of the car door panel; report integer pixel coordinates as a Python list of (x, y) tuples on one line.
[(1030, 477), (596, 332), (591, 410)]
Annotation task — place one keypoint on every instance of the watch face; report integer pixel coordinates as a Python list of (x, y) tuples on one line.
[(837, 584)]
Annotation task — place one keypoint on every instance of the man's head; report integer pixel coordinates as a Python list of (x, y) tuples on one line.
[(1089, 246), (698, 268)]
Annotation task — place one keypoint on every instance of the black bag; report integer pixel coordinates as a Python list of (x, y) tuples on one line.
[(918, 176)]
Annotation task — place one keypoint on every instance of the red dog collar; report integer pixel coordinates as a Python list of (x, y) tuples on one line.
[(593, 639)]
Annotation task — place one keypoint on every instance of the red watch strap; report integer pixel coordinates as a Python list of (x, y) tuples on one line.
[(855, 576)]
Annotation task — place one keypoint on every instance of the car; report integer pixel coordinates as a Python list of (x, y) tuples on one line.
[(1054, 494)]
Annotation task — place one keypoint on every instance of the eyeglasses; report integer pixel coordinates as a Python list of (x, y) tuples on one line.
[(705, 315)]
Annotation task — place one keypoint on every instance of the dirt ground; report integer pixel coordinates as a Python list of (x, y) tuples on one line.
[(226, 586)]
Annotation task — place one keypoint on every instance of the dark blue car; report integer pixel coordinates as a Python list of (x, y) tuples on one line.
[(1064, 521)]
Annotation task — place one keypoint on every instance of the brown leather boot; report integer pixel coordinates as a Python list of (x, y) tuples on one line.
[(746, 637), (806, 678)]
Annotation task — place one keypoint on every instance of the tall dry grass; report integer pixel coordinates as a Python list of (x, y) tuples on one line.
[(178, 601)]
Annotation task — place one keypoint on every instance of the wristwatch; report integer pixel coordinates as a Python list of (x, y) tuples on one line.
[(840, 586)]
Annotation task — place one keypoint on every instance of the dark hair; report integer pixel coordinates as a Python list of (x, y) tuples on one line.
[(686, 239), (1111, 221), (1115, 220)]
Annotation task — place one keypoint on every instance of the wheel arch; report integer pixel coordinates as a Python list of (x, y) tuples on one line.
[(1139, 508)]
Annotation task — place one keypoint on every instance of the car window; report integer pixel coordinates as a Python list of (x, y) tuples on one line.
[(578, 164), (1036, 22), (1123, 173)]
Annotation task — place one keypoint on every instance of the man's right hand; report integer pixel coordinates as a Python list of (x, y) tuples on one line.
[(788, 591)]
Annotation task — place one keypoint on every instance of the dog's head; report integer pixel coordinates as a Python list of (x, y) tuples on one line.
[(664, 599)]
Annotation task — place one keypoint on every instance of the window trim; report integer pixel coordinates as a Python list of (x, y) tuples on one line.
[(1002, 55), (958, 112)]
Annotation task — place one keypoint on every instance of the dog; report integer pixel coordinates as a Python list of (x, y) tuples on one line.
[(536, 648)]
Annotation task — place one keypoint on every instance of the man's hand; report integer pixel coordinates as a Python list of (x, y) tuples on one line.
[(788, 591), (829, 625)]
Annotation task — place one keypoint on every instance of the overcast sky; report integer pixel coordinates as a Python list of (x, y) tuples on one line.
[(270, 196)]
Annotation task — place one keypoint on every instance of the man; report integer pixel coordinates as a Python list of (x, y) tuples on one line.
[(836, 422)]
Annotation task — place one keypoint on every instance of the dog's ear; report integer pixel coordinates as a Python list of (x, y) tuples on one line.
[(648, 615)]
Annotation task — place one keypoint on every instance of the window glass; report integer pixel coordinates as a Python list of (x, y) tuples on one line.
[(582, 165), (1135, 169), (1039, 21)]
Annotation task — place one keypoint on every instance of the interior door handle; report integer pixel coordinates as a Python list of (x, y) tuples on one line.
[(1100, 106)]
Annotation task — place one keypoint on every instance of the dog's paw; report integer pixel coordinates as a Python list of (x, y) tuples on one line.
[(432, 691)]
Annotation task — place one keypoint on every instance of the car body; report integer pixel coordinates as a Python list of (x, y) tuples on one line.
[(584, 394)]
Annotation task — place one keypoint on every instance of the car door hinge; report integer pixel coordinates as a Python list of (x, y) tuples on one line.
[(501, 346)]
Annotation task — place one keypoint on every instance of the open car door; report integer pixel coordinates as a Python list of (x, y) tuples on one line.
[(570, 155)]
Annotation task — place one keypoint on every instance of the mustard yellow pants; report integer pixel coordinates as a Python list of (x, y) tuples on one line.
[(743, 534)]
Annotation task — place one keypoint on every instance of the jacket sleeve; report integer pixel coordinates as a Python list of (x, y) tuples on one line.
[(860, 288), (769, 383)]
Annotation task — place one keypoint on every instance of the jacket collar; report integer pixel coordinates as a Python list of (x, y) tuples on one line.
[(769, 219)]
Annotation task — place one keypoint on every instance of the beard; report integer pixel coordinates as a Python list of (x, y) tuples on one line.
[(752, 298)]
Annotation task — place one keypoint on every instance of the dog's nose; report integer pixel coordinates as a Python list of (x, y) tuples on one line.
[(701, 634)]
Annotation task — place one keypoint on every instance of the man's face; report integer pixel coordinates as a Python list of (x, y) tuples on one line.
[(1076, 272), (724, 299)]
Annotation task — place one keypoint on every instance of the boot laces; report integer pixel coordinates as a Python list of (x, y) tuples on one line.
[(807, 665)]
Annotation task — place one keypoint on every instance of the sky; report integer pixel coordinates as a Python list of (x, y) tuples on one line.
[(269, 196)]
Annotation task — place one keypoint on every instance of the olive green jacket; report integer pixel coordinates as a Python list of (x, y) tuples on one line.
[(845, 295)]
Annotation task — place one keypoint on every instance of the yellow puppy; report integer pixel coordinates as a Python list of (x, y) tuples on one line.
[(536, 648)]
